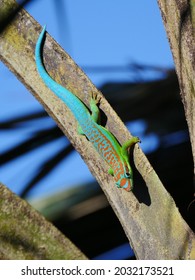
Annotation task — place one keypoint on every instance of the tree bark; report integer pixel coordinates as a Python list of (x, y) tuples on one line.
[(178, 17), (25, 234)]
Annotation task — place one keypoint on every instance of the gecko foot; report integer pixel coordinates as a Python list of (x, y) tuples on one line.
[(96, 97)]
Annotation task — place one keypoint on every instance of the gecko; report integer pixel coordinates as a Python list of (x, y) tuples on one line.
[(105, 143)]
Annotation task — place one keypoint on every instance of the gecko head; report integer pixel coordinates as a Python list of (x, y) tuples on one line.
[(125, 182)]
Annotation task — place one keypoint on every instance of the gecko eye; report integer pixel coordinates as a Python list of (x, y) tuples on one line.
[(127, 175)]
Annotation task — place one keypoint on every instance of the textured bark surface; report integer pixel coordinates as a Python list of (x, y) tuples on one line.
[(178, 17), (25, 234), (149, 216)]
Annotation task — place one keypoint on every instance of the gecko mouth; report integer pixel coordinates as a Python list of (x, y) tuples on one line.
[(129, 188)]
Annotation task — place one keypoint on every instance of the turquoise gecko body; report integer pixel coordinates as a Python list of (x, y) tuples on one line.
[(103, 140)]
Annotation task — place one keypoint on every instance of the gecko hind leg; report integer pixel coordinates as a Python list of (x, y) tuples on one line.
[(110, 171), (80, 131), (95, 112)]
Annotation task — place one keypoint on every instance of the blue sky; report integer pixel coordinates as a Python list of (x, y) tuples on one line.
[(94, 33), (107, 33)]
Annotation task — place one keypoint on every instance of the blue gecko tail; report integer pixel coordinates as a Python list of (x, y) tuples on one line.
[(39, 63), (75, 105), (38, 52), (53, 85), (60, 91)]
